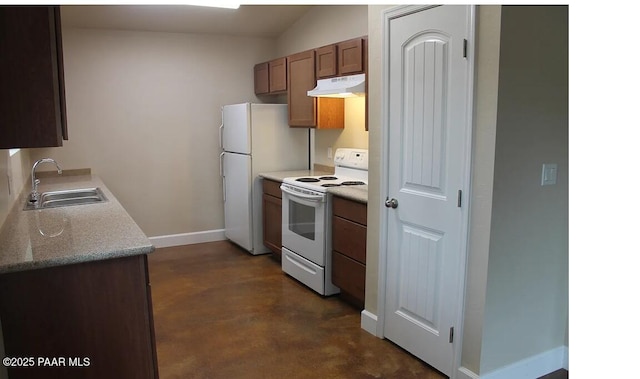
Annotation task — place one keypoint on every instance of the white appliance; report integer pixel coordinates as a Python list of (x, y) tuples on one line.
[(255, 138), (306, 221), (343, 86)]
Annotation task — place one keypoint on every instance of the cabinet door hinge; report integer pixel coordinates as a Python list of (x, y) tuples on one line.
[(451, 335), (459, 198)]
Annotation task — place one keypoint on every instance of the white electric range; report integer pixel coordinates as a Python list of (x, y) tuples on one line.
[(306, 221)]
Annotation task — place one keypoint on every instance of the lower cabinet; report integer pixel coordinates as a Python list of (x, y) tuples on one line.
[(272, 217), (84, 320), (349, 249)]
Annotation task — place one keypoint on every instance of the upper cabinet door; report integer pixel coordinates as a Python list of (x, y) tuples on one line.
[(32, 99), (302, 78), (350, 57), (278, 75), (270, 77), (261, 78), (326, 62)]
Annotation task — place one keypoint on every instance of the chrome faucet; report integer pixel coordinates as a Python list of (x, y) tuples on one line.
[(34, 182)]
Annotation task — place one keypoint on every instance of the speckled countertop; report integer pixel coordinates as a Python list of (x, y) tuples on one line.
[(59, 236), (279, 176), (355, 193)]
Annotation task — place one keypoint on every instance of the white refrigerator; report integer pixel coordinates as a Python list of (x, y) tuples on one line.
[(255, 138)]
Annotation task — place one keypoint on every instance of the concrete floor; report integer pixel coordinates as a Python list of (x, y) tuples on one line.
[(222, 313)]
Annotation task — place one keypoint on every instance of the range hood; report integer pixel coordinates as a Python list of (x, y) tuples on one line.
[(343, 86)]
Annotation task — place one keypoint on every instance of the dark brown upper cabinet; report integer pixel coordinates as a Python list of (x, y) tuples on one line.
[(32, 95), (270, 78)]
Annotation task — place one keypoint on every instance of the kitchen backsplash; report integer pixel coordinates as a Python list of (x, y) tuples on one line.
[(15, 169), (353, 134)]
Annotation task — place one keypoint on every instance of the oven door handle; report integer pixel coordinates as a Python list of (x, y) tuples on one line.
[(317, 198)]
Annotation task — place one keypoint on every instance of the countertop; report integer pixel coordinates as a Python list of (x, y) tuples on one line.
[(59, 236), (355, 193), (279, 176)]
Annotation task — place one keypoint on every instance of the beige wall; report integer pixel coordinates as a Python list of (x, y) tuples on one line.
[(526, 305), (6, 198), (484, 136), (143, 113), (14, 175), (353, 134), (375, 152), (324, 25)]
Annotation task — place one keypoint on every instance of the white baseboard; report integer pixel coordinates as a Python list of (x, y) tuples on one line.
[(533, 367), (369, 322), (465, 373), (188, 238)]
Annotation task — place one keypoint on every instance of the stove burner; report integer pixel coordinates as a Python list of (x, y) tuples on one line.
[(307, 180), (352, 183), (328, 178), (330, 185)]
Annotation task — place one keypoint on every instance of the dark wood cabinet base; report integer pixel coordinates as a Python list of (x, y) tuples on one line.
[(272, 217), (349, 250), (90, 320)]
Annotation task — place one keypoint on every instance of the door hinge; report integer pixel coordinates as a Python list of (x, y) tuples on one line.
[(459, 198), (464, 48), (451, 335)]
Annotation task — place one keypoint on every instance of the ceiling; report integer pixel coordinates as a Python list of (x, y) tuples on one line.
[(247, 21)]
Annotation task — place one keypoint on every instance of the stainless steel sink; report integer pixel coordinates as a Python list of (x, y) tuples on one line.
[(66, 198)]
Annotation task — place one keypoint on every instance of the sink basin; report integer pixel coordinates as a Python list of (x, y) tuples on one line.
[(66, 198)]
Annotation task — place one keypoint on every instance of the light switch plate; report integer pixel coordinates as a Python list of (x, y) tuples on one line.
[(549, 174)]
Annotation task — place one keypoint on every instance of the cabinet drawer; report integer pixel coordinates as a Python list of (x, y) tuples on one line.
[(351, 210), (272, 188), (350, 239), (348, 275)]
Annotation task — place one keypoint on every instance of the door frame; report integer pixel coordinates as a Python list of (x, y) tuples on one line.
[(388, 16)]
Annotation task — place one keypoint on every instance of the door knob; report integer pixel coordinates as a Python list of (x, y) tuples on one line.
[(391, 203)]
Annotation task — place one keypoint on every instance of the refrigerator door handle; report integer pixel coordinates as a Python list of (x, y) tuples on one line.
[(221, 164), (220, 135), (224, 189)]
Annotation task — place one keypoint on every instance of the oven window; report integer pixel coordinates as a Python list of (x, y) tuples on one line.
[(302, 220)]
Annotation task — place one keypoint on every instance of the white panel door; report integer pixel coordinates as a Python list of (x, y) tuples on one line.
[(427, 116)]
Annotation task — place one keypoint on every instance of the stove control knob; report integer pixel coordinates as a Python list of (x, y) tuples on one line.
[(391, 203)]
